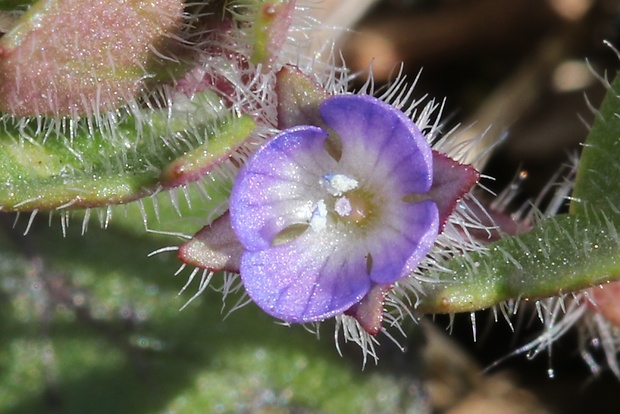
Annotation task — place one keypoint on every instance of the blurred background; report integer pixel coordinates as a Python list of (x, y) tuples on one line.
[(90, 324)]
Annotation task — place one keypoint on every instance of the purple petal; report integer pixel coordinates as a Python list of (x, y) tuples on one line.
[(404, 235), (309, 279), (386, 149), (323, 273), (278, 187), (333, 263), (380, 144)]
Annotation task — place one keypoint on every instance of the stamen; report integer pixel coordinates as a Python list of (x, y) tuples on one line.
[(318, 221), (338, 184)]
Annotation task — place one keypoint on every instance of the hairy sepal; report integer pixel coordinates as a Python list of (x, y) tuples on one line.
[(271, 26), (215, 247), (299, 98), (451, 181), (205, 158), (369, 311)]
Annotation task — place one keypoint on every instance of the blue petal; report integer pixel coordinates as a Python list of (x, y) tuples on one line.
[(312, 278), (380, 144), (278, 187)]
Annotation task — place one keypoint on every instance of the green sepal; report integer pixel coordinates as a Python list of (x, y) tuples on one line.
[(271, 21)]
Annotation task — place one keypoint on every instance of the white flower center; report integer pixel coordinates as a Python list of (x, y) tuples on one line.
[(337, 185)]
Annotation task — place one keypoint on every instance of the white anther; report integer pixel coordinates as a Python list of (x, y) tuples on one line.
[(318, 221), (338, 184)]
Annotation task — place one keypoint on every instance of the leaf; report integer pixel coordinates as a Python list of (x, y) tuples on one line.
[(160, 141), (562, 254), (46, 167), (596, 184)]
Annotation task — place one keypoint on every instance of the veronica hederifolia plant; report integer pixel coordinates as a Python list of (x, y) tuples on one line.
[(198, 88), (554, 255)]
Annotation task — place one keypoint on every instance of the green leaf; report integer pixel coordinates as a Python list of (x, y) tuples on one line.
[(562, 254), (596, 185), (46, 167)]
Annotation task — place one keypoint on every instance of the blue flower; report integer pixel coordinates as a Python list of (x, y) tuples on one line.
[(325, 213), (335, 211)]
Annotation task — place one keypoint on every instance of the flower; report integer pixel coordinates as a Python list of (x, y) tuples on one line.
[(324, 214), (335, 215)]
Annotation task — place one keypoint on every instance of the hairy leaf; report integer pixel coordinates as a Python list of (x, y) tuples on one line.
[(46, 167), (562, 254)]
